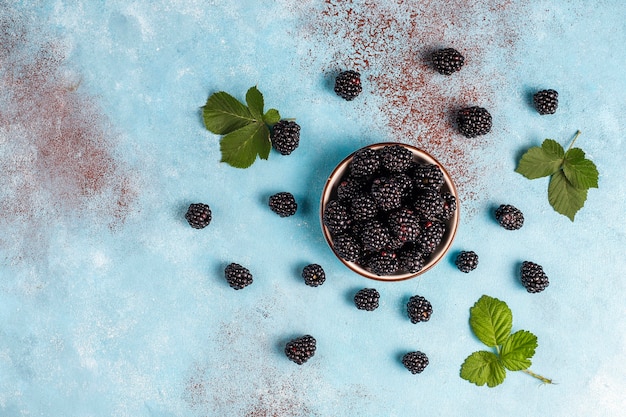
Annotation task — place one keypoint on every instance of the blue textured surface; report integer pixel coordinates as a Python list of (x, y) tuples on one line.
[(111, 305)]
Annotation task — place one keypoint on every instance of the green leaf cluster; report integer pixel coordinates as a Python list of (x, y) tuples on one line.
[(571, 174), (245, 127), (491, 321)]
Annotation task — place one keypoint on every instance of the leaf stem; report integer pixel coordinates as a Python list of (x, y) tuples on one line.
[(574, 140), (539, 377)]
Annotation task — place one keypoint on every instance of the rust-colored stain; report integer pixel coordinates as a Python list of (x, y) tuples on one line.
[(390, 42), (57, 160)]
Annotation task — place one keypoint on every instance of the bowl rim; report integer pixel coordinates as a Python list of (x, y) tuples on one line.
[(422, 156)]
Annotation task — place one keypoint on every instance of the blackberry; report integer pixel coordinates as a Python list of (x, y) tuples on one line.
[(365, 162), (348, 85), (411, 259), (474, 121), (419, 309), (546, 101), (533, 277), (429, 205), (386, 193), (349, 188), (367, 299), (428, 176), (285, 136), (431, 236), (395, 158), (466, 261), (449, 205), (374, 236), (363, 208), (284, 204), (313, 275), (509, 217), (447, 60), (347, 247), (382, 263), (336, 217), (405, 225), (415, 362), (301, 349), (238, 277), (198, 215), (405, 183)]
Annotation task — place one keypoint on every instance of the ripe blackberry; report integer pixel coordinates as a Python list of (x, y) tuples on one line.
[(415, 362), (466, 261), (365, 162), (238, 277), (533, 277), (474, 121), (405, 183), (285, 136), (419, 309), (395, 158), (546, 101), (509, 217), (404, 224), (449, 205), (431, 235), (427, 176), (198, 215), (382, 263), (411, 259), (284, 204), (313, 275), (349, 188), (367, 299), (363, 208), (301, 349), (348, 85), (429, 205), (347, 247), (386, 193), (447, 60), (374, 236), (336, 217)]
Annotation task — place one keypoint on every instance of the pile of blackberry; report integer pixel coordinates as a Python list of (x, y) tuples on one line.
[(389, 212)]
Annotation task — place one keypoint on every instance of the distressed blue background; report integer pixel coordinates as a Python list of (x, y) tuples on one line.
[(126, 313)]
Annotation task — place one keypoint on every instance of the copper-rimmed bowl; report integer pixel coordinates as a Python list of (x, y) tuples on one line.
[(330, 192)]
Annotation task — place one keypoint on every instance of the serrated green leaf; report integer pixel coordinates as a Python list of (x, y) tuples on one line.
[(482, 368), (254, 99), (491, 320), (580, 171), (241, 147), (541, 161), (564, 197), (518, 349), (271, 117), (224, 114)]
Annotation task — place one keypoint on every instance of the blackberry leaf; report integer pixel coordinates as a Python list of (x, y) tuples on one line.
[(518, 349), (254, 99), (241, 147), (581, 172), (482, 368), (541, 161), (223, 114), (491, 320), (564, 197), (271, 117)]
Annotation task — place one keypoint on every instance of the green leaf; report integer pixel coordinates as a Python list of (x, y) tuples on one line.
[(518, 349), (581, 172), (271, 117), (564, 197), (254, 98), (491, 320), (224, 114), (541, 161), (241, 147), (482, 368)]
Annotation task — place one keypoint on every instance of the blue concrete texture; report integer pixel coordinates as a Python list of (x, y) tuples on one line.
[(111, 305)]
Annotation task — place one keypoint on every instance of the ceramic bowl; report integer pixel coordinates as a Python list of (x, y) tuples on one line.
[(330, 192)]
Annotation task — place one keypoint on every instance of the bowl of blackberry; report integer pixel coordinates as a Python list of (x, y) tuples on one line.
[(389, 211)]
